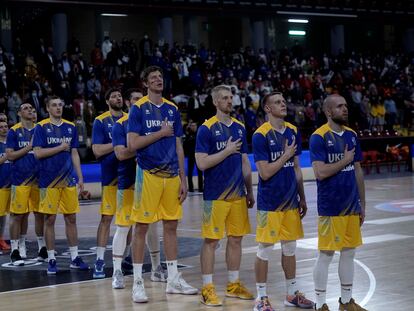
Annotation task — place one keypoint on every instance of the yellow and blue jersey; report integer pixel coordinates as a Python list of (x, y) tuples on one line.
[(159, 158), (5, 168), (126, 168), (25, 169), (279, 192), (102, 134), (57, 170), (337, 195), (225, 180)]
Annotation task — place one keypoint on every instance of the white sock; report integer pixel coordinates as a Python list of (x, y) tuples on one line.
[(137, 271), (40, 242), (320, 299), (233, 275), (73, 252), (172, 269), (51, 254), (117, 262), (14, 244), (100, 252), (119, 241), (207, 279), (346, 293), (291, 286), (261, 290), (320, 276), (346, 273), (22, 240)]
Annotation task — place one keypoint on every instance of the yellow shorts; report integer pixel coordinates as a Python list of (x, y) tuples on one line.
[(156, 198), (62, 200), (220, 217), (4, 201), (108, 203), (278, 226), (338, 232), (125, 202), (24, 199)]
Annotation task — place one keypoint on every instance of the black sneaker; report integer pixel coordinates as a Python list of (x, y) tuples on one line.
[(127, 265), (16, 259), (42, 255)]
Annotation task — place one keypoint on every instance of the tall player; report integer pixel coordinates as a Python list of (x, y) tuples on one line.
[(104, 152), (154, 132), (221, 152), (336, 154), (276, 148), (5, 182), (55, 144), (125, 202), (25, 190)]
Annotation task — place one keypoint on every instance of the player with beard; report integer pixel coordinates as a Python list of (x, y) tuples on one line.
[(336, 154), (104, 152)]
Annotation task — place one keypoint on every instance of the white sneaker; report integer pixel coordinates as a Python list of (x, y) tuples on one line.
[(179, 286), (138, 291), (22, 251), (159, 275), (118, 280)]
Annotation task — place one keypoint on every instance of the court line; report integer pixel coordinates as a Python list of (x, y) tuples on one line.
[(393, 220)]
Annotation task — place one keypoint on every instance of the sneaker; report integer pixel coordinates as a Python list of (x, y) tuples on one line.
[(209, 296), (298, 300), (4, 245), (42, 255), (178, 286), (22, 251), (350, 306), (16, 259), (323, 308), (127, 264), (138, 291), (78, 263), (98, 271), (263, 304), (52, 267), (238, 290), (118, 280), (159, 275)]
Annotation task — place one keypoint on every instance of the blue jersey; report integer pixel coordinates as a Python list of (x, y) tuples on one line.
[(25, 169), (56, 171), (279, 192), (126, 168), (225, 180), (102, 134), (5, 168), (159, 158), (337, 195)]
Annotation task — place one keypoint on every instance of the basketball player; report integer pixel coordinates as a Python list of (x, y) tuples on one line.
[(5, 182)]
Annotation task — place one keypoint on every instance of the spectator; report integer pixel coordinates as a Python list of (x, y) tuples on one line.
[(13, 106), (189, 152)]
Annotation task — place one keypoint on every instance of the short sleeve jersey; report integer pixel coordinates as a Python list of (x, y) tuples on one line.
[(56, 171), (279, 192), (337, 195), (225, 180), (126, 168), (159, 158), (5, 168), (25, 169)]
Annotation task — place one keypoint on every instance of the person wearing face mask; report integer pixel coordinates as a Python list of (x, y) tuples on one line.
[(194, 107), (13, 105)]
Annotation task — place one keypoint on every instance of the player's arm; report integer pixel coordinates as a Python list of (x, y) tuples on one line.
[(359, 175), (77, 166), (3, 159), (247, 176), (325, 170), (301, 190), (100, 150), (136, 141), (98, 135), (13, 155), (181, 170), (41, 153), (123, 153)]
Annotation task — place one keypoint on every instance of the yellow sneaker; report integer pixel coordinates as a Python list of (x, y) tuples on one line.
[(350, 306), (209, 296), (238, 290)]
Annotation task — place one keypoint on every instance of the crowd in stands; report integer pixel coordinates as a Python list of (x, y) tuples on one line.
[(378, 87)]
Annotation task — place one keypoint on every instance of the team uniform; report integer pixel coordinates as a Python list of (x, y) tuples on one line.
[(126, 176), (24, 174), (277, 215), (157, 183), (102, 134), (5, 182), (225, 206), (339, 203), (57, 177)]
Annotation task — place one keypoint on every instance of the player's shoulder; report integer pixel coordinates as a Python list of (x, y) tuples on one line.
[(291, 126), (348, 129), (210, 122), (170, 103), (68, 123), (141, 102), (103, 116), (263, 129), (16, 126), (321, 131), (44, 122), (123, 119), (237, 122)]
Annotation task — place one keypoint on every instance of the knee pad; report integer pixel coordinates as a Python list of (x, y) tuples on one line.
[(264, 251), (288, 248), (348, 253)]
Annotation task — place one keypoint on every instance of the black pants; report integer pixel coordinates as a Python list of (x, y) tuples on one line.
[(191, 163)]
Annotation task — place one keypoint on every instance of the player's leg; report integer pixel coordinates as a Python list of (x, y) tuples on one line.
[(261, 269), (153, 243)]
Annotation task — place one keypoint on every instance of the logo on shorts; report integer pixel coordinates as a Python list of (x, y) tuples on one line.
[(216, 229), (337, 239), (146, 214), (272, 233)]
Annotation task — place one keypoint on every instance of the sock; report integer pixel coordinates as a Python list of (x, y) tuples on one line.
[(346, 293), (291, 286), (320, 276), (172, 269), (320, 299), (261, 290), (73, 252), (233, 276), (137, 271), (40, 242), (22, 240), (14, 244), (100, 252), (207, 279), (51, 254), (346, 273), (117, 262)]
